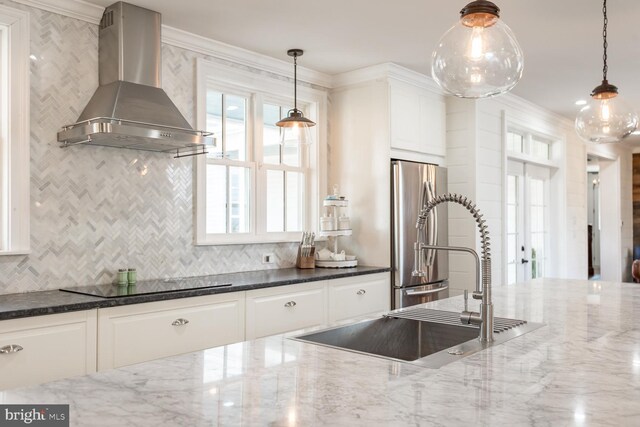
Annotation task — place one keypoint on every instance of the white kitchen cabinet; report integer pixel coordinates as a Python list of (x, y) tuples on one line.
[(38, 349), (381, 113), (357, 296), (286, 308), (139, 332), (417, 120)]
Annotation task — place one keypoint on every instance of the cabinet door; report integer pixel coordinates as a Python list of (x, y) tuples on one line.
[(38, 349), (358, 296), (286, 308), (137, 333), (418, 119)]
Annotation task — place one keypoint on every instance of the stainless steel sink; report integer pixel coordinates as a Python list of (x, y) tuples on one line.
[(426, 343)]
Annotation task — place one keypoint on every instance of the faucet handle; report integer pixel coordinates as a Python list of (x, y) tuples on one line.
[(466, 300)]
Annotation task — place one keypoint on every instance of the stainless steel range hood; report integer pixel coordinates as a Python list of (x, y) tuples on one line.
[(129, 109)]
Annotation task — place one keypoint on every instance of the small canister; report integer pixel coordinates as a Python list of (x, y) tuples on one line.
[(344, 223), (132, 276), (326, 223), (122, 276)]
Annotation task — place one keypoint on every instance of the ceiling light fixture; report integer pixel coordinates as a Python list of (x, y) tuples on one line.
[(581, 102), (295, 127), (479, 56), (606, 118)]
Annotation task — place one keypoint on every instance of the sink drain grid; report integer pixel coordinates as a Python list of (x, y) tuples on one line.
[(500, 324)]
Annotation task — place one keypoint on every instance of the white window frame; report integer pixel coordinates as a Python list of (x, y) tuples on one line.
[(14, 132), (265, 87)]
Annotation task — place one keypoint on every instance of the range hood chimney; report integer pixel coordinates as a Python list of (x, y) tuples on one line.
[(129, 109)]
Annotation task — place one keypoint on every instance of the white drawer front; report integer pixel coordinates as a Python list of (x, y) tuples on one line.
[(159, 331), (45, 348), (277, 310), (358, 296)]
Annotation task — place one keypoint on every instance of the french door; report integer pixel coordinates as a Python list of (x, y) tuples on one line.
[(527, 236)]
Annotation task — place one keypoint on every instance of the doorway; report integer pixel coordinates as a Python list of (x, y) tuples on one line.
[(593, 217), (527, 221), (604, 217)]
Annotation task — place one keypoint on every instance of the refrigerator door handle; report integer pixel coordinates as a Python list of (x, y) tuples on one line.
[(430, 291)]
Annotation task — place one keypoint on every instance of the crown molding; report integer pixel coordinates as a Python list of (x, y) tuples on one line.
[(217, 49), (91, 13), (77, 9), (528, 107), (386, 70)]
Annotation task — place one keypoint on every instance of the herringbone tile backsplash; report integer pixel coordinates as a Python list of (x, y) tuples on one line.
[(94, 209)]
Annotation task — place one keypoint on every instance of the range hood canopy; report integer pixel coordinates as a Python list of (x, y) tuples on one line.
[(129, 109)]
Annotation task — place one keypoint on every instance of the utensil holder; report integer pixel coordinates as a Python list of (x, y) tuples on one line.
[(306, 261)]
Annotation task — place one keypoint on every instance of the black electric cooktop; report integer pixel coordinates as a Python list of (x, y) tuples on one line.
[(146, 287)]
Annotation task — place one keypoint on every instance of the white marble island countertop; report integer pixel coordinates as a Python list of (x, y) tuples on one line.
[(582, 368)]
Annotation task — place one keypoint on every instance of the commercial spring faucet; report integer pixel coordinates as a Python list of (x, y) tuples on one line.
[(485, 317)]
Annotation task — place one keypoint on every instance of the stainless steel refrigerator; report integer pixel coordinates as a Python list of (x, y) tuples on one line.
[(412, 184)]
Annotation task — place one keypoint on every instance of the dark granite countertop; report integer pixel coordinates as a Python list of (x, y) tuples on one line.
[(29, 304)]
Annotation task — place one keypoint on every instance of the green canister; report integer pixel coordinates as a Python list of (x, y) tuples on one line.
[(132, 276), (122, 276)]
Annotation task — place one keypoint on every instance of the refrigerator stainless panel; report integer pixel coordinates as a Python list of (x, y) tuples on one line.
[(412, 185)]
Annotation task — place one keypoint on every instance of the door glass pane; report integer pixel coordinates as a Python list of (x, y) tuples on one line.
[(512, 229), (295, 197), (216, 207), (214, 121), (239, 199), (271, 135), (538, 227), (275, 200), (235, 127)]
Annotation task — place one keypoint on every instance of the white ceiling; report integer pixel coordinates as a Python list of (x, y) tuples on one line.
[(561, 39)]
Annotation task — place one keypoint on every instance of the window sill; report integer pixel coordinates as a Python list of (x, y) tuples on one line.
[(16, 252), (250, 240)]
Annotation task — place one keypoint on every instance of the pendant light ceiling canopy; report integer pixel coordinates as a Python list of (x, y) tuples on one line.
[(479, 56), (295, 127), (606, 117)]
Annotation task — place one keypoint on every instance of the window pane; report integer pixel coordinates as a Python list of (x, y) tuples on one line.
[(540, 149), (214, 121), (295, 200), (275, 200), (514, 142), (216, 207), (291, 154), (235, 127), (239, 198), (271, 134)]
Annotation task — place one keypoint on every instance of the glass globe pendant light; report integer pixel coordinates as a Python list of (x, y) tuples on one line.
[(479, 56), (295, 127), (606, 117)]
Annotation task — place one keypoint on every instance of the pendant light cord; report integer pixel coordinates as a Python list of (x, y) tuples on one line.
[(605, 68), (295, 81)]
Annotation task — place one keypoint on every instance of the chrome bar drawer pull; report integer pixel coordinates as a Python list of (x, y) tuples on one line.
[(361, 292), (180, 322), (290, 304), (11, 348)]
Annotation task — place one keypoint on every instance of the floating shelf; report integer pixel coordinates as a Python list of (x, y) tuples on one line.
[(334, 233), (337, 203)]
